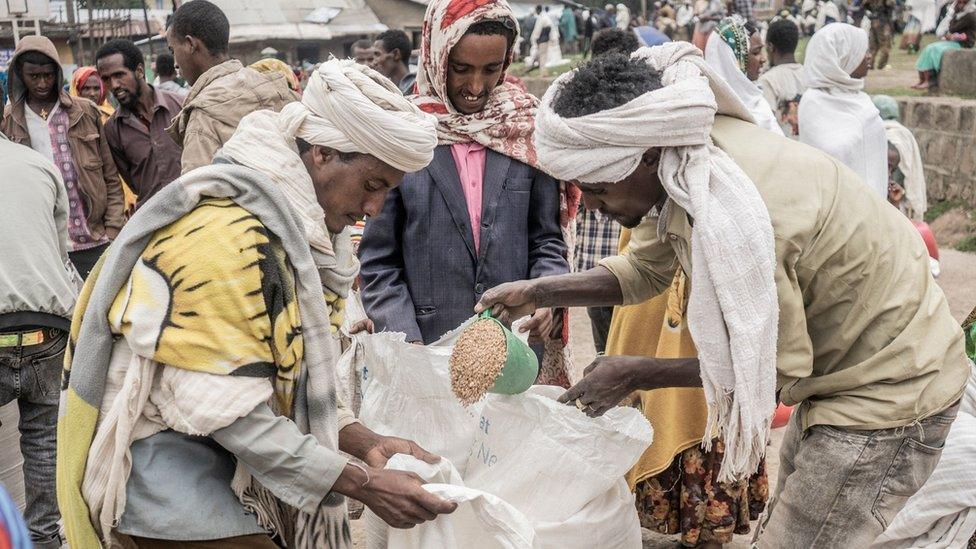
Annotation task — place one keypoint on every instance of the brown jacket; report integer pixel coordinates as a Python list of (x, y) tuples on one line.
[(98, 177), (217, 102)]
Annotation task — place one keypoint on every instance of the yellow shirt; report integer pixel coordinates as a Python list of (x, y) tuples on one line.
[(866, 339)]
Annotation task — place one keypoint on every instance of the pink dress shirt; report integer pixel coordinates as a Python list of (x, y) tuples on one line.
[(470, 161)]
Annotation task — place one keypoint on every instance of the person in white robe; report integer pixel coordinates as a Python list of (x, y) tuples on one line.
[(910, 156), (835, 114), (736, 54), (782, 84)]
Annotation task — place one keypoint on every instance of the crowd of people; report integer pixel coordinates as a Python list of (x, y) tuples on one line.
[(180, 254)]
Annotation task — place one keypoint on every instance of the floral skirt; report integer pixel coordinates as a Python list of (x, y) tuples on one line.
[(687, 499)]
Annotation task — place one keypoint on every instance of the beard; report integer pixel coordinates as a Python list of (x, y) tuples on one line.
[(131, 98)]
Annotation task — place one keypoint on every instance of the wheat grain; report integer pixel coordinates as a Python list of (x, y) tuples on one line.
[(477, 360)]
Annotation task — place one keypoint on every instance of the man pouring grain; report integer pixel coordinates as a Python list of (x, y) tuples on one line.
[(821, 303)]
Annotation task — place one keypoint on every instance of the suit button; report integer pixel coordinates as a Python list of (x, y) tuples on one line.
[(672, 236), (479, 288), (485, 225)]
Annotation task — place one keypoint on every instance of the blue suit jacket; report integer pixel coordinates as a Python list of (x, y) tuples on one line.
[(420, 272)]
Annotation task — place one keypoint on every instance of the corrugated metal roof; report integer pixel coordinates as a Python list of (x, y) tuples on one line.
[(286, 19)]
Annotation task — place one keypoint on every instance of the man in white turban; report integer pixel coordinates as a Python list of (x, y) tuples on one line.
[(201, 405), (820, 298)]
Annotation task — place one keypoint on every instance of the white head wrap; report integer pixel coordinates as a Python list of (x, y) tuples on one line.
[(835, 116), (720, 57), (346, 107), (605, 147), (733, 311), (832, 54)]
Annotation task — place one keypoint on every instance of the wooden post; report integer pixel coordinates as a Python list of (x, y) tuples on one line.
[(149, 32), (69, 6)]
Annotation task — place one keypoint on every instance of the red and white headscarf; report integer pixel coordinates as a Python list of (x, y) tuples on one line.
[(508, 120), (506, 124)]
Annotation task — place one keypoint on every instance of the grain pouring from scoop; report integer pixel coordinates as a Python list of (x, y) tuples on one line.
[(477, 360)]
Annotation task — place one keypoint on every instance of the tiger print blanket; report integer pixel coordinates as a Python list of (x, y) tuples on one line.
[(150, 288)]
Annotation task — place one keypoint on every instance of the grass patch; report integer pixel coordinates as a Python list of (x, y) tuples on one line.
[(519, 69), (967, 244), (936, 209), (897, 92)]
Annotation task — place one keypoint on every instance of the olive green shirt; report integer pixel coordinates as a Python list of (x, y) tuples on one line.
[(866, 339)]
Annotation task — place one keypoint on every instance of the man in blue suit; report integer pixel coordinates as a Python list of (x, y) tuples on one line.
[(481, 214)]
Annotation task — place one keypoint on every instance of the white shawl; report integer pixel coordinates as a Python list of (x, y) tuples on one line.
[(835, 116), (733, 311), (952, 15), (720, 57), (910, 164)]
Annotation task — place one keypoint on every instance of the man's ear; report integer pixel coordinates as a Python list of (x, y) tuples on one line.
[(651, 157), (195, 43), (322, 155), (141, 71)]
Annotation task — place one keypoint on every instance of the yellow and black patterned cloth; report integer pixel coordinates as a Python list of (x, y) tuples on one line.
[(212, 292)]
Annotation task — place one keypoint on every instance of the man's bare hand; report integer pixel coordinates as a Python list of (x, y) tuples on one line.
[(605, 383), (397, 497), (539, 325), (364, 325), (509, 301), (387, 447)]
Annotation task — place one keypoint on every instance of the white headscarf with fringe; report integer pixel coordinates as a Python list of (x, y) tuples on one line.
[(733, 310), (352, 109)]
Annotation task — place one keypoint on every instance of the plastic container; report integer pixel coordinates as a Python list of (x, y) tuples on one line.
[(521, 365)]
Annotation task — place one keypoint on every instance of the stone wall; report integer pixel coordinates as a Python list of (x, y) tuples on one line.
[(958, 74), (945, 128)]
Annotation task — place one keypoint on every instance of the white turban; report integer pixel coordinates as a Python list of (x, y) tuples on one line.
[(606, 146), (832, 54), (733, 311), (346, 107), (351, 108)]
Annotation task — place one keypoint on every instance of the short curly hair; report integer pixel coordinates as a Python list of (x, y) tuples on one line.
[(204, 21), (783, 35), (397, 40), (614, 40), (490, 27), (131, 56), (165, 65), (607, 81)]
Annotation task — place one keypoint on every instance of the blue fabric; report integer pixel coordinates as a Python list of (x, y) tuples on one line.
[(180, 485), (179, 489), (420, 273), (12, 522), (650, 36)]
